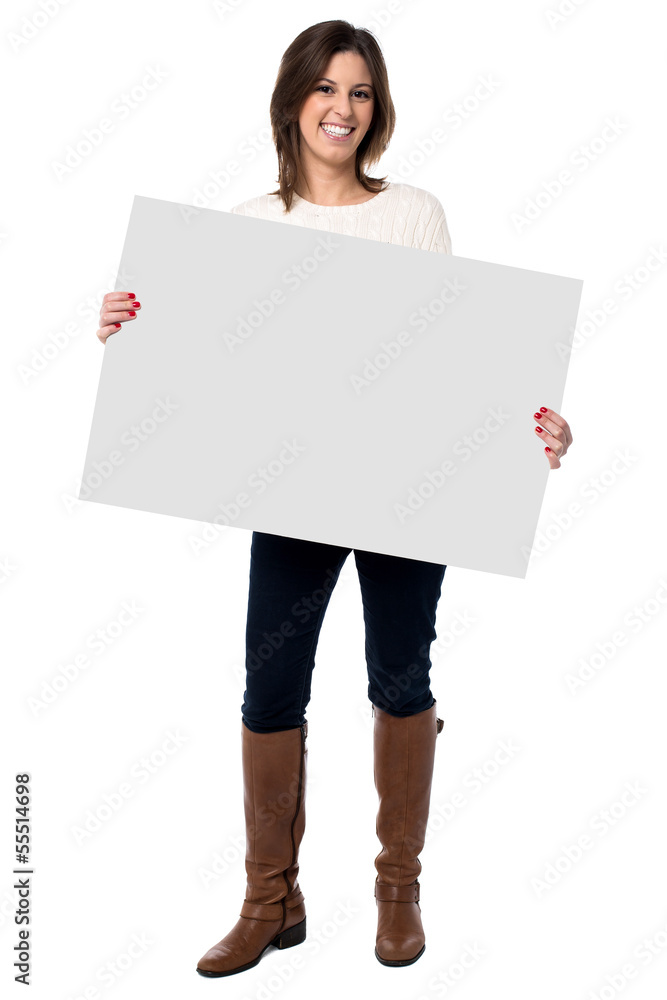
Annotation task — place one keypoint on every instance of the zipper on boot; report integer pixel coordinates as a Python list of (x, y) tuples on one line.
[(296, 813)]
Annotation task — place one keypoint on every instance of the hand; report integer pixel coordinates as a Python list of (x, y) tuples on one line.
[(117, 308), (556, 434)]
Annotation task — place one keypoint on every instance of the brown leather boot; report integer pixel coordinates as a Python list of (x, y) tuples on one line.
[(273, 912), (404, 752)]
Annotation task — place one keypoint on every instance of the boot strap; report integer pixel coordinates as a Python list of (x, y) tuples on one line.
[(269, 911), (397, 893)]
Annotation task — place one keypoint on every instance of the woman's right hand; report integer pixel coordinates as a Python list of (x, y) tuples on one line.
[(117, 307)]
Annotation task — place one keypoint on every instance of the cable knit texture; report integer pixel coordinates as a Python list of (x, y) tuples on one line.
[(401, 213)]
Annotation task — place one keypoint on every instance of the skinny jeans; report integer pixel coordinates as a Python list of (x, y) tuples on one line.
[(290, 583)]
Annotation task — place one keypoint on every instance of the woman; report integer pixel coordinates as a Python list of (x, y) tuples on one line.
[(332, 115)]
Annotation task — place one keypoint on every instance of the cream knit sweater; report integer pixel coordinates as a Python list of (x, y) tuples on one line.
[(403, 214)]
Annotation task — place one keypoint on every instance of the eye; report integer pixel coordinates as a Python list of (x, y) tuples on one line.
[(325, 86)]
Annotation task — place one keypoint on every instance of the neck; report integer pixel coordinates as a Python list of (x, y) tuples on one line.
[(331, 187)]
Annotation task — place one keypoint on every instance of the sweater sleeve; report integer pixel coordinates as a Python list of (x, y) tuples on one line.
[(440, 239)]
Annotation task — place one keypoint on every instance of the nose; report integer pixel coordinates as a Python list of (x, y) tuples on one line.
[(342, 108)]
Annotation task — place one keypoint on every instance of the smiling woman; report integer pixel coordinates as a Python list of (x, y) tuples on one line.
[(332, 74), (332, 116)]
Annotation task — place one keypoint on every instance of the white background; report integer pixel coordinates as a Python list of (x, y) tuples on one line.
[(68, 567)]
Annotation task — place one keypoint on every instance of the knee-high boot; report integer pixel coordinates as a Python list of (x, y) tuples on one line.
[(404, 750), (273, 912)]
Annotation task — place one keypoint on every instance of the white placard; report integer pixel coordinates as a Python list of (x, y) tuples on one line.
[(338, 389)]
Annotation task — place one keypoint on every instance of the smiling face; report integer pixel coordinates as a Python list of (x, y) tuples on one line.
[(342, 98)]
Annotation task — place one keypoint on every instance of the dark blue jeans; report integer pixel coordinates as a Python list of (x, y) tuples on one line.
[(291, 581)]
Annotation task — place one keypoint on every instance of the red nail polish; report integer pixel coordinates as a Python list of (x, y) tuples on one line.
[(539, 430), (543, 409), (136, 303), (117, 325), (132, 312), (537, 415), (131, 295), (547, 448)]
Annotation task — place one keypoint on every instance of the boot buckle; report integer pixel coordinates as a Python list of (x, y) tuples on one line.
[(397, 893)]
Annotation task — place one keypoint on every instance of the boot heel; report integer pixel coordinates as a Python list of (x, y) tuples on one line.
[(293, 935)]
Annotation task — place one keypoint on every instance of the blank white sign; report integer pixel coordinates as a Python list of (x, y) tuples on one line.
[(332, 388)]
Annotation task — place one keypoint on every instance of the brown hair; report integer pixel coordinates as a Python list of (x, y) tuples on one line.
[(303, 63)]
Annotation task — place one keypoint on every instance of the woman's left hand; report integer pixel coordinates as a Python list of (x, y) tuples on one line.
[(556, 434)]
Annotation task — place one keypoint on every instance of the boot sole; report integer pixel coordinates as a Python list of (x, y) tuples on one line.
[(285, 939), (400, 961)]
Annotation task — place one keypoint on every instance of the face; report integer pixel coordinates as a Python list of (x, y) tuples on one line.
[(347, 102)]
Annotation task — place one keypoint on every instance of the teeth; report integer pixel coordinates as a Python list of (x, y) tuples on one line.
[(334, 130)]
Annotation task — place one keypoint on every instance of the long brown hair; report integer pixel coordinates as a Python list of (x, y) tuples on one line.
[(303, 63)]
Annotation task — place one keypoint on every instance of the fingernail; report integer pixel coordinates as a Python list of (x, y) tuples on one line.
[(543, 409), (131, 295), (132, 312), (547, 448), (536, 415), (539, 430), (136, 303)]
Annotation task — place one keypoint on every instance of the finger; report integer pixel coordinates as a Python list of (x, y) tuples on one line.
[(110, 322), (117, 297), (122, 302), (105, 332), (554, 461), (552, 441), (554, 423), (117, 308), (120, 315)]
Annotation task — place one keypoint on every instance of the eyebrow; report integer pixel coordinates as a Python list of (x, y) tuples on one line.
[(333, 81)]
